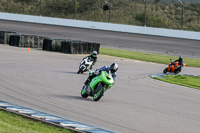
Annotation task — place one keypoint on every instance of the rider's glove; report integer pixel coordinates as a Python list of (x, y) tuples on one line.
[(97, 72)]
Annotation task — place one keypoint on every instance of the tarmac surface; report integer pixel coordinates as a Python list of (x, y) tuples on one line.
[(135, 42), (136, 103)]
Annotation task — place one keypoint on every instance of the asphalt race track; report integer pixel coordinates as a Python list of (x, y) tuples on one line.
[(136, 103), (47, 81), (136, 42)]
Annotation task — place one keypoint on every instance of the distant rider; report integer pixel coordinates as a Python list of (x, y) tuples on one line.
[(179, 60), (113, 68), (92, 57)]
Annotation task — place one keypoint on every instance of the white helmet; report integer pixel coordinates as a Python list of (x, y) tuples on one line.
[(113, 67)]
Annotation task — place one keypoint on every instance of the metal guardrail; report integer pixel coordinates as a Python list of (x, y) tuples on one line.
[(171, 14)]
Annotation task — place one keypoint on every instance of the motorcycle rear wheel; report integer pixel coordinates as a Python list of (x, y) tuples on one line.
[(178, 70), (80, 70)]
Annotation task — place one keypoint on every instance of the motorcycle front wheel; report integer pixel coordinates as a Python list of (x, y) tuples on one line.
[(165, 70), (98, 93), (83, 92)]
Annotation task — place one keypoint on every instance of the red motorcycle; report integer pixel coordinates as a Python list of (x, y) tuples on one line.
[(173, 67)]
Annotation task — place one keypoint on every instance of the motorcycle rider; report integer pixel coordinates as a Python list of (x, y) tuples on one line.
[(179, 60), (175, 66), (92, 57), (113, 68)]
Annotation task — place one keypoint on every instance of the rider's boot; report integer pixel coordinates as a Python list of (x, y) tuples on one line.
[(87, 87), (87, 81)]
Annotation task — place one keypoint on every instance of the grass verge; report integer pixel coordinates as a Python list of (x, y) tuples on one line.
[(164, 59), (13, 123), (188, 81)]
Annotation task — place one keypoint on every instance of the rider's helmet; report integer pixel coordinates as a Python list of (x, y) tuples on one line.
[(94, 54), (113, 67), (180, 58)]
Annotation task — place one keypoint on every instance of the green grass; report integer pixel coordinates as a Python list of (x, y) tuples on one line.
[(164, 59), (188, 81), (12, 123)]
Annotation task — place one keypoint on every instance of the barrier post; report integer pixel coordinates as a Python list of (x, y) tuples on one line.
[(109, 10), (7, 6), (182, 13), (40, 7), (145, 12), (74, 9)]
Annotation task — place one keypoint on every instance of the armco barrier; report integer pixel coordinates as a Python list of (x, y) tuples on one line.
[(5, 36), (102, 26)]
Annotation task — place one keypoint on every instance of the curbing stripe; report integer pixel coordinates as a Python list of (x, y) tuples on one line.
[(84, 129), (47, 117), (161, 75), (4, 104), (26, 112), (51, 119), (74, 125), (96, 131)]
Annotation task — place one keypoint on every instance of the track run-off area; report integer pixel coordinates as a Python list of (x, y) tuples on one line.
[(47, 82)]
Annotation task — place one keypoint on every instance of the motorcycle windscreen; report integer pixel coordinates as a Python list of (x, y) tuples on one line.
[(107, 78)]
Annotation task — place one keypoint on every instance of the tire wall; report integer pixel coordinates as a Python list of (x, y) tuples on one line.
[(65, 47), (5, 36), (38, 41), (70, 46), (49, 44), (30, 41), (14, 40)]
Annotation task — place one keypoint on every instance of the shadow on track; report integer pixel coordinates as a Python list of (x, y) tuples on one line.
[(71, 97), (66, 72), (72, 72)]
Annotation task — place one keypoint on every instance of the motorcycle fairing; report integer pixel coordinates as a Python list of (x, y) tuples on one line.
[(104, 77)]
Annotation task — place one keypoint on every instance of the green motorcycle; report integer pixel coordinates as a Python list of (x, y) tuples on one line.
[(98, 86)]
